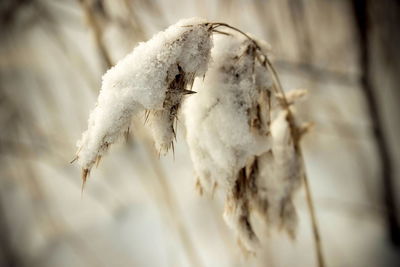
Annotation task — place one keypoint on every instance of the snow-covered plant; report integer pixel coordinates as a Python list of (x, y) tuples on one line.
[(240, 138), (241, 132), (153, 78)]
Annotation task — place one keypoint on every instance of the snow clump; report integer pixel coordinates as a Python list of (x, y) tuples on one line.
[(240, 139), (153, 77)]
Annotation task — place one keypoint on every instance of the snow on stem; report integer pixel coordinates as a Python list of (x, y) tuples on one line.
[(153, 77), (241, 130)]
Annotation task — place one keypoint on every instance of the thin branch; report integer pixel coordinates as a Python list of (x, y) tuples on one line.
[(310, 202), (264, 60), (314, 220), (363, 27), (317, 72)]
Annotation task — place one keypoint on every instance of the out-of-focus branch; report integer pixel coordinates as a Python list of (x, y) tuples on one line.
[(171, 203), (301, 30), (363, 27), (166, 193), (9, 10), (97, 32), (8, 255), (135, 23), (316, 72)]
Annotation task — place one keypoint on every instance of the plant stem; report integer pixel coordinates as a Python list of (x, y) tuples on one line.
[(314, 221), (296, 139), (264, 60)]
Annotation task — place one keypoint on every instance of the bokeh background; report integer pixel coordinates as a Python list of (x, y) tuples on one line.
[(139, 210)]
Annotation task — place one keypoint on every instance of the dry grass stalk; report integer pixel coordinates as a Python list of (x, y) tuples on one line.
[(262, 176)]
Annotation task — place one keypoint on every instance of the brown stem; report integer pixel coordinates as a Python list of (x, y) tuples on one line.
[(218, 24), (296, 139), (264, 60), (314, 221), (97, 32)]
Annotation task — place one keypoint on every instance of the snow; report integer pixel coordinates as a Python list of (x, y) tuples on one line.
[(239, 139), (140, 82), (237, 131), (281, 171), (216, 118)]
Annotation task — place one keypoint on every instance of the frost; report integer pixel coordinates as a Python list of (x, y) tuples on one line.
[(153, 77)]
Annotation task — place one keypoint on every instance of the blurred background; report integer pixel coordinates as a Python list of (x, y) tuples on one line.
[(138, 210)]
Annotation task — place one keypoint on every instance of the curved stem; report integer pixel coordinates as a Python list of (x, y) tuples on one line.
[(295, 136), (218, 24), (264, 62), (314, 222)]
